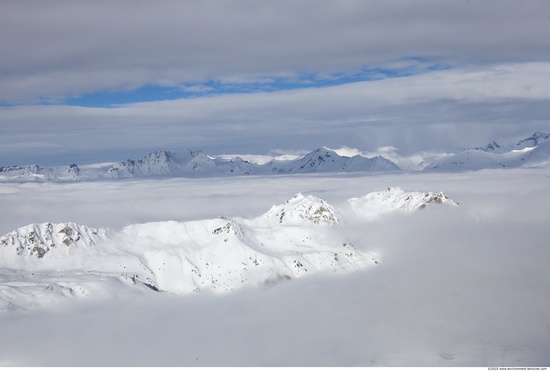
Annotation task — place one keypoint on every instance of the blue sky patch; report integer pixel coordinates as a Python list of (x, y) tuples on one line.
[(150, 93)]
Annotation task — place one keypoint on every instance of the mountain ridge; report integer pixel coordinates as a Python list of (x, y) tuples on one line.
[(529, 152), (49, 263), (533, 151), (198, 163)]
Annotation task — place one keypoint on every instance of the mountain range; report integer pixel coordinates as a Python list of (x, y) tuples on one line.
[(49, 263), (530, 152), (197, 164)]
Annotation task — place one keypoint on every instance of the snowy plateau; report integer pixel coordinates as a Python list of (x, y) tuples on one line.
[(44, 264)]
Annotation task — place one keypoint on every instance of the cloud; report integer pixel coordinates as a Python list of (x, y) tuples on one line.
[(435, 110), (451, 282), (103, 46), (197, 88)]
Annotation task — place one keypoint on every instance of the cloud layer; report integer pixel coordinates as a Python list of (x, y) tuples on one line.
[(451, 289), (434, 110), (65, 49)]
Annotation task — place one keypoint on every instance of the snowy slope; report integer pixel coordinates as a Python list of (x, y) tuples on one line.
[(45, 264), (529, 152), (37, 241)]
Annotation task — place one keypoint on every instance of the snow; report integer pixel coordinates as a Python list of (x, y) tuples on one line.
[(303, 208), (529, 152), (477, 159), (291, 240), (526, 149), (259, 159), (374, 204)]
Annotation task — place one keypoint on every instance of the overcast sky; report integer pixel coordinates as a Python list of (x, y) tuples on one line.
[(107, 80)]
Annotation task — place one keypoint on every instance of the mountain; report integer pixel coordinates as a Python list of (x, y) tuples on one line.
[(300, 208), (35, 173), (529, 152), (393, 199), (534, 140), (197, 164), (531, 142), (180, 164), (47, 264), (492, 147), (326, 160)]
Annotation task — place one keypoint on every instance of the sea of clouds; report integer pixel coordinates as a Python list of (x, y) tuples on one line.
[(457, 286)]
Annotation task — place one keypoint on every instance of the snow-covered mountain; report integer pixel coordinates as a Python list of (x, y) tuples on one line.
[(528, 152), (45, 264), (375, 204), (534, 140), (326, 160), (35, 173), (531, 151), (179, 164), (197, 164)]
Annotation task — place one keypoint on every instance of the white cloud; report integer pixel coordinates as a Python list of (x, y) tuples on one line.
[(451, 282)]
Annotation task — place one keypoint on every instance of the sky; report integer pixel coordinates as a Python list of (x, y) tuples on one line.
[(111, 80)]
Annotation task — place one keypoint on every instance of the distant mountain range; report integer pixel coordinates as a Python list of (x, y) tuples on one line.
[(197, 164), (49, 263), (530, 152)]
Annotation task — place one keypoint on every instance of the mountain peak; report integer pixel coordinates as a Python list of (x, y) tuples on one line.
[(491, 147), (394, 198), (301, 208), (534, 140), (324, 159)]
